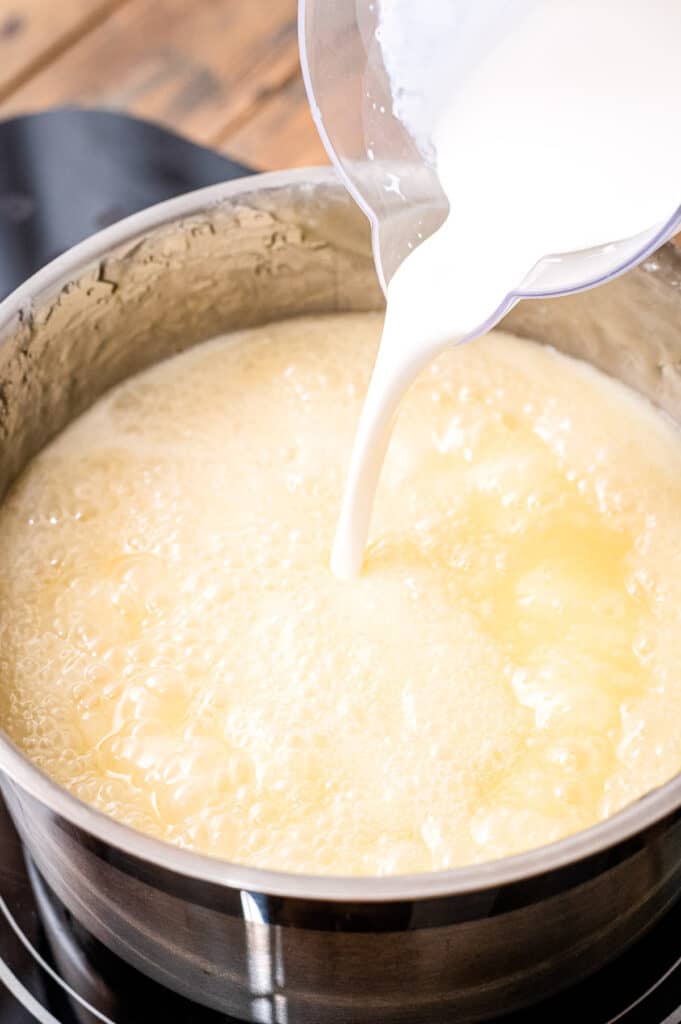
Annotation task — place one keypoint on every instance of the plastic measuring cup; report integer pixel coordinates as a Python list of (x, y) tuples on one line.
[(387, 170)]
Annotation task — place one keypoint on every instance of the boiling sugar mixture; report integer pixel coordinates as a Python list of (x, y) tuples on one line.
[(176, 651)]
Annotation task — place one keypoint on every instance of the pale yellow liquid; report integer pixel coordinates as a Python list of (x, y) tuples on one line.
[(175, 650)]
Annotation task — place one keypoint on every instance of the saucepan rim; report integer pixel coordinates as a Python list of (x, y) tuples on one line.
[(624, 825)]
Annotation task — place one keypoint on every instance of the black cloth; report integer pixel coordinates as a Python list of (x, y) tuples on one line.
[(68, 173)]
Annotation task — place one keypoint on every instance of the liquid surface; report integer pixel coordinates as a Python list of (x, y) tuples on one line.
[(548, 123), (176, 651)]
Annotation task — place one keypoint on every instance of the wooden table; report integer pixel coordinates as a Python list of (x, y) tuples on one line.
[(223, 72)]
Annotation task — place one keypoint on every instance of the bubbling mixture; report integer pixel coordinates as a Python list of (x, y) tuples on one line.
[(176, 651)]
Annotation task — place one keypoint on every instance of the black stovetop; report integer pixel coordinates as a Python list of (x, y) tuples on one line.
[(63, 176)]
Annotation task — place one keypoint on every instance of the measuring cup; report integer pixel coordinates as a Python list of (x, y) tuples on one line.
[(386, 164)]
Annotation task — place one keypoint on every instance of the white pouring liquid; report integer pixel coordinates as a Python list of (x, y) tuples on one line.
[(561, 137)]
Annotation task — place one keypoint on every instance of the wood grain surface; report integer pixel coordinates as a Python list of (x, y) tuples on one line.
[(223, 72)]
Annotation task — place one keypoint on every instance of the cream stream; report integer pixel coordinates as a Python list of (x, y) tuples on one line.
[(558, 139)]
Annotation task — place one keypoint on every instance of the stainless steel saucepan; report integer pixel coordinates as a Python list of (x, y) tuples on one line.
[(294, 949)]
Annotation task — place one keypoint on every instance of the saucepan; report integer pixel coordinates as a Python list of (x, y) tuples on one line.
[(265, 946)]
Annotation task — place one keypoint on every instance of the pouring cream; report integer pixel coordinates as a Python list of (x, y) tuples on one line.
[(557, 140)]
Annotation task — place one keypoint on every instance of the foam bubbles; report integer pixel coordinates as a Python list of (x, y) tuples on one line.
[(175, 650)]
